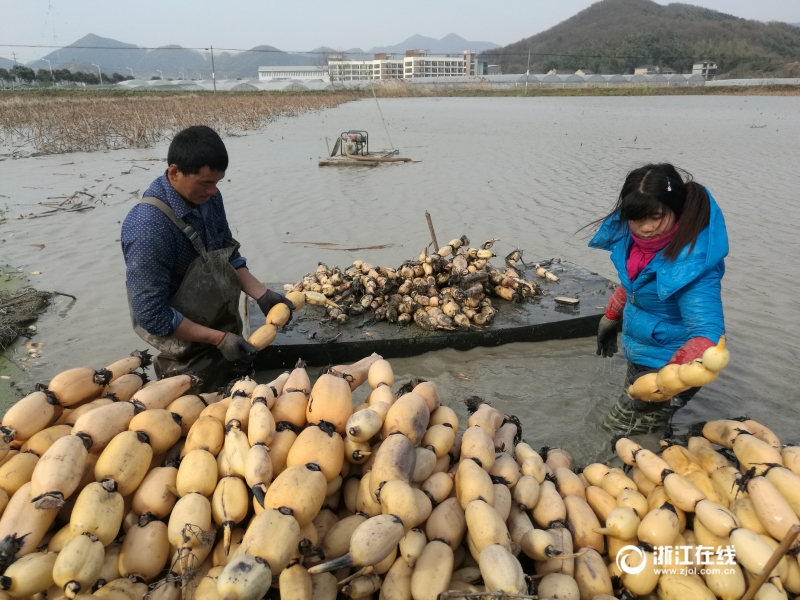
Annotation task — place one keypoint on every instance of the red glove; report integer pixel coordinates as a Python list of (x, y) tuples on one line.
[(691, 350), (616, 304)]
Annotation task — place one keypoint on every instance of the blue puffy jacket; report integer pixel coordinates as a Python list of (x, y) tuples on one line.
[(669, 302)]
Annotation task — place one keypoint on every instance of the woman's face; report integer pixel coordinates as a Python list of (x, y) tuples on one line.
[(653, 226)]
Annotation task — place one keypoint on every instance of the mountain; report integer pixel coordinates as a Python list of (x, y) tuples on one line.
[(172, 60), (449, 44), (93, 49), (245, 64), (328, 50), (616, 36), (6, 63), (120, 57), (321, 53), (115, 56), (795, 24)]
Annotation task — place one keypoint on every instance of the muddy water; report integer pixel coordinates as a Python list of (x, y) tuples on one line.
[(529, 171)]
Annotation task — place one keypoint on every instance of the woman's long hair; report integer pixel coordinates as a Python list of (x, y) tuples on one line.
[(653, 188)]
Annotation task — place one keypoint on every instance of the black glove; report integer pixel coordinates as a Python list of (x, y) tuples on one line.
[(270, 299), (607, 337), (236, 349)]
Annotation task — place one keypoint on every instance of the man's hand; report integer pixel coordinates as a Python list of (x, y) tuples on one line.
[(607, 337), (270, 299), (236, 349)]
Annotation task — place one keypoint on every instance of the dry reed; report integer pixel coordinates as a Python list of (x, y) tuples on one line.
[(71, 122)]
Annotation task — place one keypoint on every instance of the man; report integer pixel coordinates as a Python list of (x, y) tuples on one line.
[(184, 272)]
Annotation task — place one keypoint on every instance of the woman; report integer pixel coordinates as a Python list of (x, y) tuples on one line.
[(667, 239)]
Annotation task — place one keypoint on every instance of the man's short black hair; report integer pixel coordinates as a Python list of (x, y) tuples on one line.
[(197, 147)]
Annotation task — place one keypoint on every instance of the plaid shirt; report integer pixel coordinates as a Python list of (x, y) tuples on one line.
[(157, 254)]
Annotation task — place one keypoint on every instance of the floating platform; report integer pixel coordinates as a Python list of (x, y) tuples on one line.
[(319, 343), (346, 161)]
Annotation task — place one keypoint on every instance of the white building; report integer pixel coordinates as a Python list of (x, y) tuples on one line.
[(299, 73), (646, 70), (706, 68), (652, 70), (383, 66), (416, 63)]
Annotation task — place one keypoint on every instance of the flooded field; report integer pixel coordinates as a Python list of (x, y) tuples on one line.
[(528, 171)]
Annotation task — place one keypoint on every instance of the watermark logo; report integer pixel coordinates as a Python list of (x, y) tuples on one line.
[(678, 559), (624, 554)]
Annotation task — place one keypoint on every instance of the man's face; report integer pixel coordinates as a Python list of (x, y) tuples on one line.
[(196, 188)]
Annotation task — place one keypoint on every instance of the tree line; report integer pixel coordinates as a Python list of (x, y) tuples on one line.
[(19, 74)]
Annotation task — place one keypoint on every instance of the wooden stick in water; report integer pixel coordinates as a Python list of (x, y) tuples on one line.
[(433, 233)]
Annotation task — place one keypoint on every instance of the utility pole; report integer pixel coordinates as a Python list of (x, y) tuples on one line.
[(528, 71), (51, 70), (213, 70), (14, 56), (131, 70)]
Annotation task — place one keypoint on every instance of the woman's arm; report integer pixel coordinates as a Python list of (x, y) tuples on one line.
[(616, 304), (700, 304)]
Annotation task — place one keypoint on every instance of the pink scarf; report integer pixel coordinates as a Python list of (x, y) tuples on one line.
[(643, 251)]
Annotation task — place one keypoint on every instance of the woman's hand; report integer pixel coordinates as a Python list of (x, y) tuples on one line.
[(607, 337), (691, 350), (611, 323)]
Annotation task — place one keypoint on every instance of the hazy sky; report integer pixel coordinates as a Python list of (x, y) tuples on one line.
[(304, 24)]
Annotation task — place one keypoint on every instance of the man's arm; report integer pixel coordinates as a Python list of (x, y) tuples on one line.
[(234, 348), (250, 285), (148, 248), (264, 297), (190, 331)]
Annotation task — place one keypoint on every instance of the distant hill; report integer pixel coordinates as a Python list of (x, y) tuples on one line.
[(795, 24), (449, 44), (319, 54), (616, 36), (172, 60), (245, 64), (115, 56), (6, 63), (80, 55)]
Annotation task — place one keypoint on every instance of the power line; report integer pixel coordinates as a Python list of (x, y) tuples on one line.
[(158, 48)]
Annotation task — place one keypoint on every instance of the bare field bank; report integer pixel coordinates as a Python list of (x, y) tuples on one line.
[(58, 121), (535, 90), (54, 123)]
